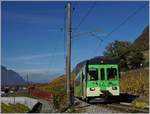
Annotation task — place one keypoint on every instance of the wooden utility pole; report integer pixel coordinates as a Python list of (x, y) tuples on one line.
[(68, 61), (28, 84)]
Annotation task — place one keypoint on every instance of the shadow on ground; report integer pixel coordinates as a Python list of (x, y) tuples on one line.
[(36, 108), (124, 97)]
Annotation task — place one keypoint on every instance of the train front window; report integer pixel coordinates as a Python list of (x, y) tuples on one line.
[(111, 73), (93, 74)]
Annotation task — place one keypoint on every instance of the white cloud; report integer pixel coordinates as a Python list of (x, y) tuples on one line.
[(37, 56), (36, 63), (40, 70)]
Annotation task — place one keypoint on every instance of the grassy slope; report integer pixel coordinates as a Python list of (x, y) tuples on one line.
[(55, 85), (135, 82), (11, 108)]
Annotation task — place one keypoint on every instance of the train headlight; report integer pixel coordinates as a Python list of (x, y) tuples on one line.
[(92, 89), (114, 88)]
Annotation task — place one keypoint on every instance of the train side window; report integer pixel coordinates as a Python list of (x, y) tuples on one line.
[(93, 74), (77, 81), (102, 74), (83, 76)]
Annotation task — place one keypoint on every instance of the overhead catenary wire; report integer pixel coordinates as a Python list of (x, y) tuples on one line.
[(85, 16), (122, 23), (86, 33), (96, 36)]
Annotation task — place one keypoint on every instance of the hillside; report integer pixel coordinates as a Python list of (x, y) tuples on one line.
[(53, 85), (10, 77), (142, 42)]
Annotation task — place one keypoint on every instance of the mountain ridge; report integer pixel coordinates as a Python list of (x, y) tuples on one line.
[(10, 77), (142, 41)]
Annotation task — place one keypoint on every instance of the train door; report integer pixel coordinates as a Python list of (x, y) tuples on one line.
[(82, 82), (103, 81), (93, 82)]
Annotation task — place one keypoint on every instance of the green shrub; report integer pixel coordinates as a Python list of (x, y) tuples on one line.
[(56, 101), (139, 103)]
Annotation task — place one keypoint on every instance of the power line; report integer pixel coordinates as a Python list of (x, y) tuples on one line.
[(85, 33), (122, 23), (85, 16), (96, 36), (56, 29)]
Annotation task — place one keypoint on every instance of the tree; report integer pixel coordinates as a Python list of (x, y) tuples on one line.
[(130, 57), (117, 48), (135, 59), (123, 64)]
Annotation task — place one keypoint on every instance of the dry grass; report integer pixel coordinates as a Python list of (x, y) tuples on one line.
[(135, 82), (146, 55)]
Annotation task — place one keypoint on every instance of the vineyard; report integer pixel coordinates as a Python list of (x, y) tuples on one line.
[(41, 94)]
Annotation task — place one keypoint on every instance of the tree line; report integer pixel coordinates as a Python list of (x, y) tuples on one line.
[(128, 54)]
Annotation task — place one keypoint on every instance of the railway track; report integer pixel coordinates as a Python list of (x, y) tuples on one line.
[(127, 108), (120, 107)]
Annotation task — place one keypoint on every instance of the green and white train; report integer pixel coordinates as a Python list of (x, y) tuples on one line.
[(97, 80)]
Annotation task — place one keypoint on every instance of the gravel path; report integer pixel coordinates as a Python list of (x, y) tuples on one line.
[(83, 107), (46, 107)]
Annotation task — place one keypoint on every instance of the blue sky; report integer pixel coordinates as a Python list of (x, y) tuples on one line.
[(33, 34)]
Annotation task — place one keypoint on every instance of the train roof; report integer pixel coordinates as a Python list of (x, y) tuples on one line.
[(96, 60), (102, 61)]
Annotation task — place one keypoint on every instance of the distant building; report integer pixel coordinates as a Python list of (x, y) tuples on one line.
[(24, 88), (2, 92), (6, 87), (11, 91)]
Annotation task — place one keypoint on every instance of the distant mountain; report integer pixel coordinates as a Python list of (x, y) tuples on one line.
[(142, 42), (10, 77)]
